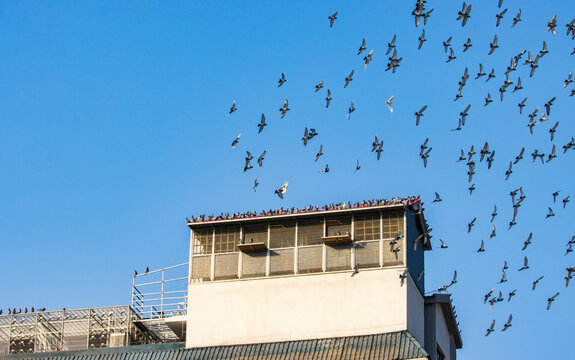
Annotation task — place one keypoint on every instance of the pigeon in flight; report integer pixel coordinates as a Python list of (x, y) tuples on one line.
[(362, 47), (391, 45), (388, 102), (357, 167), (421, 39), (328, 99), (490, 330), (550, 300), (235, 142), (464, 14), (368, 58), (493, 45), (349, 78), (517, 18), (536, 282), (262, 124), (233, 108), (282, 80), (499, 17), (284, 109), (281, 191), (552, 24), (437, 198), (467, 45), (527, 242), (261, 158), (332, 18), (256, 183), (319, 153), (419, 114), (318, 86), (525, 265), (447, 44), (508, 323), (350, 110)]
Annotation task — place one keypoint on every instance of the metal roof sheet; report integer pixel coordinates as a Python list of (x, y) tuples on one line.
[(389, 346)]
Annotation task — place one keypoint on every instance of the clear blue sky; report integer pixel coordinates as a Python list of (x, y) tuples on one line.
[(115, 128)]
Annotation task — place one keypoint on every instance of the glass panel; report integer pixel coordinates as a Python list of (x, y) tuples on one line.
[(227, 238), (310, 231), (392, 224), (256, 233), (203, 241), (338, 225), (366, 226), (282, 234)]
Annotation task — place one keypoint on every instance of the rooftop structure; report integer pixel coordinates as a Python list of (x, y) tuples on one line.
[(314, 273), (342, 281)]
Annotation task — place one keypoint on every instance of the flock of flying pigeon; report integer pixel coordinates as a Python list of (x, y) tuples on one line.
[(539, 115), (487, 154)]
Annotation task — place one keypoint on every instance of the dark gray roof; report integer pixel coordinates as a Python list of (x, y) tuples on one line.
[(390, 346)]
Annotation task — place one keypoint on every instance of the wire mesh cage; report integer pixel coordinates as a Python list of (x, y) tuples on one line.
[(282, 262), (67, 330), (310, 259), (254, 264), (367, 254), (392, 252), (226, 266), (338, 257)]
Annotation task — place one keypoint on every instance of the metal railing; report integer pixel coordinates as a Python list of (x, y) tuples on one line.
[(161, 293)]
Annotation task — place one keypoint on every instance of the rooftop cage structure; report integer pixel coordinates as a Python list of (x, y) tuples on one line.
[(71, 330)]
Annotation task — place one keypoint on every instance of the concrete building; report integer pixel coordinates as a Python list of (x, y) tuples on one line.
[(343, 281)]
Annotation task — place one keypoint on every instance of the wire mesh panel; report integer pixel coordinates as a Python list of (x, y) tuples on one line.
[(281, 262), (201, 268), (74, 330), (282, 234), (338, 257), (256, 233), (254, 264), (367, 254), (367, 226), (392, 252), (226, 266), (392, 223), (338, 225), (23, 334), (309, 259), (4, 334), (310, 231), (49, 332)]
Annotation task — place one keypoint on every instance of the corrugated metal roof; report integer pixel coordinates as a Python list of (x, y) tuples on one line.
[(390, 346)]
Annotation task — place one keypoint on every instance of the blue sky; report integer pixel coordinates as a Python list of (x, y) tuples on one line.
[(115, 128)]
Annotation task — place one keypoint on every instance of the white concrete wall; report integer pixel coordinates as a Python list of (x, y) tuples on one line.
[(415, 312), (442, 333), (296, 308)]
